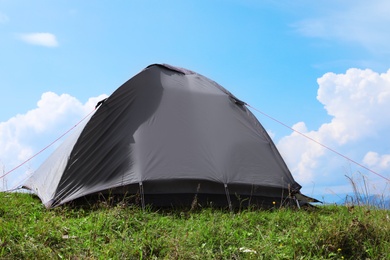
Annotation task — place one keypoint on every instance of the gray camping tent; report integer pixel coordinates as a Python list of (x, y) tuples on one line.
[(169, 135)]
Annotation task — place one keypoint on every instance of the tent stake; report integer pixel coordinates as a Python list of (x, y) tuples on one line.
[(296, 200), (141, 190), (228, 198)]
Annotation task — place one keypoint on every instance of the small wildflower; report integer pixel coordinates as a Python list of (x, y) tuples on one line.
[(339, 250), (247, 250), (273, 202)]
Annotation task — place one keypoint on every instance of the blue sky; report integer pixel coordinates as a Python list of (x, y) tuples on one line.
[(321, 67)]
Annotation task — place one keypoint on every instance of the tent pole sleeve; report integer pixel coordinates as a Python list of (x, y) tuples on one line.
[(141, 191), (228, 197)]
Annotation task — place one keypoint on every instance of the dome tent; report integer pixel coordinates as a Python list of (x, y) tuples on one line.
[(169, 135)]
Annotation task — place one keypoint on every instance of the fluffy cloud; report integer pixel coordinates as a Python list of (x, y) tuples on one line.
[(358, 102), (23, 135), (381, 162), (354, 21), (42, 39)]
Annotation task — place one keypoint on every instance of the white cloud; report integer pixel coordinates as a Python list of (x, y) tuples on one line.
[(358, 102), (42, 39), (354, 22), (24, 135), (300, 153), (373, 159)]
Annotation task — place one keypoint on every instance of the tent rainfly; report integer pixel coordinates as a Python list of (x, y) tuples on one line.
[(169, 136)]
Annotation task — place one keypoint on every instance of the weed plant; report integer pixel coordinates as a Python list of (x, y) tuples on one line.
[(121, 231), (363, 196)]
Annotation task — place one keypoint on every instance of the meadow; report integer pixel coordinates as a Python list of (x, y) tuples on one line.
[(106, 230)]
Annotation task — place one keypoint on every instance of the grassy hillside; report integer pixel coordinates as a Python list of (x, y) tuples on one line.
[(28, 230)]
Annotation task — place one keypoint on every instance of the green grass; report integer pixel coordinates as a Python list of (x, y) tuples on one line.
[(29, 231)]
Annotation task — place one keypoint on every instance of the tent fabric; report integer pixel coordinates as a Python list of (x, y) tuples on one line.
[(166, 131)]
